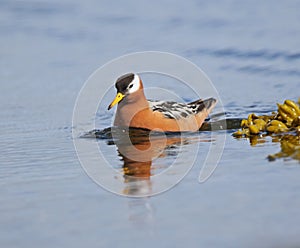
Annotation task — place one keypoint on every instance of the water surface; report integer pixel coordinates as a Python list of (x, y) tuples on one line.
[(250, 51)]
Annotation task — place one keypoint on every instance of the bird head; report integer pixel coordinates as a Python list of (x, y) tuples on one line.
[(126, 85)]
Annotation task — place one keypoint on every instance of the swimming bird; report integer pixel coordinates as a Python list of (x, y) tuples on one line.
[(134, 110)]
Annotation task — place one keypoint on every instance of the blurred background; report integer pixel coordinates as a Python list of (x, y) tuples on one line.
[(249, 49)]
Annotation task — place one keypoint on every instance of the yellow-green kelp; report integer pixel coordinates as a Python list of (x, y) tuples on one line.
[(283, 126)]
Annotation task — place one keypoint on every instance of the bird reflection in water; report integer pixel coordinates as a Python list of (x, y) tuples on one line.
[(138, 148), (145, 154)]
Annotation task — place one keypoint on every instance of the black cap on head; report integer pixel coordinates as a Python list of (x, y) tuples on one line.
[(123, 82)]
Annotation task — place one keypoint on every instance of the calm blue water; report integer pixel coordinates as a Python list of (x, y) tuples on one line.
[(249, 49)]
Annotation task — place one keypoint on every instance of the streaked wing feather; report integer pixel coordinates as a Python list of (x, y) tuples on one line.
[(173, 110), (176, 110)]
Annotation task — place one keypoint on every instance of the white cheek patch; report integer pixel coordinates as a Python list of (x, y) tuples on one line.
[(136, 84)]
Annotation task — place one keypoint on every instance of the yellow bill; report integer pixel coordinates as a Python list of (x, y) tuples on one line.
[(117, 99)]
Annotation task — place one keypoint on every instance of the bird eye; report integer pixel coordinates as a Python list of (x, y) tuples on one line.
[(130, 86)]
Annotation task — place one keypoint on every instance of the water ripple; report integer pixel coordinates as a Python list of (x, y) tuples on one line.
[(246, 54), (268, 70), (264, 70), (30, 8)]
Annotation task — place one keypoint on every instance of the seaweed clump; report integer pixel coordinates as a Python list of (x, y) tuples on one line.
[(283, 125)]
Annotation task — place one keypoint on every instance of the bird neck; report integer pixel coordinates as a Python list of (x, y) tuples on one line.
[(136, 99), (129, 107)]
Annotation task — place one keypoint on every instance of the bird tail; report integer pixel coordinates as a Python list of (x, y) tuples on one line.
[(206, 104)]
